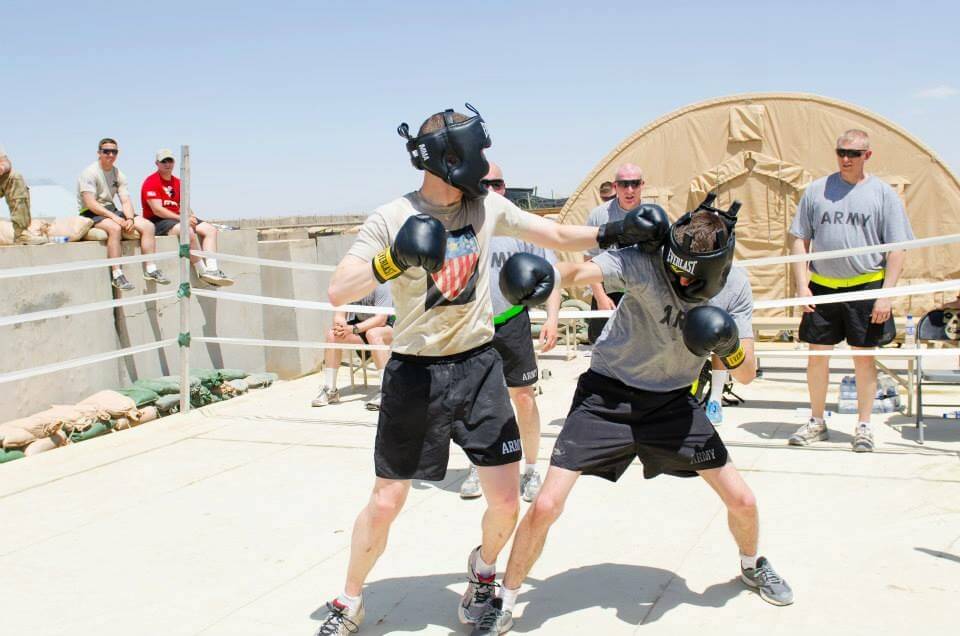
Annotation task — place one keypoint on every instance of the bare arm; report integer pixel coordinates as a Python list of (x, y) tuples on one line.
[(556, 236), (90, 202), (895, 261), (747, 371), (157, 207), (127, 206), (352, 280), (801, 274), (580, 274)]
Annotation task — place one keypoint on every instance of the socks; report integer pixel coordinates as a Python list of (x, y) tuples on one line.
[(330, 378), (352, 602), (212, 264), (117, 272), (199, 267), (748, 562), (509, 597), (151, 268), (717, 380), (530, 469), (484, 569)]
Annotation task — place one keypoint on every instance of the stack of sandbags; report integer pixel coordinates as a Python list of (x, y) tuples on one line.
[(33, 434), (261, 380), (75, 228), (109, 406)]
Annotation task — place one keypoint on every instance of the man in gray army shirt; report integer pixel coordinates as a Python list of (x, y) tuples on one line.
[(849, 208)]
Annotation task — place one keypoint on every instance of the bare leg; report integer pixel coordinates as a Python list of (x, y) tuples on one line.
[(194, 245), (865, 371), (148, 236), (742, 515), (501, 487), (332, 357), (532, 532), (818, 376), (371, 529), (528, 420), (113, 230), (208, 235), (380, 336)]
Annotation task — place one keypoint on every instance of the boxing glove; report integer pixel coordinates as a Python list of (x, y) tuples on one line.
[(709, 329), (526, 279), (645, 227), (421, 242)]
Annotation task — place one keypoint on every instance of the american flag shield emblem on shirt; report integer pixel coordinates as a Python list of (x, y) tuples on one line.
[(456, 283)]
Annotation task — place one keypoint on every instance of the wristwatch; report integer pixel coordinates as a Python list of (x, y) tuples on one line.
[(356, 331)]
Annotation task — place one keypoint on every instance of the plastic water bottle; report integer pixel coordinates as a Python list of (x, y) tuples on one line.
[(910, 334)]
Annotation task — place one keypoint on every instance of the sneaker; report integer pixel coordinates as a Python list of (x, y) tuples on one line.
[(216, 277), (480, 591), (529, 486), (326, 396), (767, 583), (340, 621), (374, 403), (157, 277), (470, 488), (714, 412), (121, 283), (863, 439), (812, 431), (494, 621)]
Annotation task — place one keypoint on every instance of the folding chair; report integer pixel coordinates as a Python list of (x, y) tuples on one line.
[(360, 360), (931, 329)]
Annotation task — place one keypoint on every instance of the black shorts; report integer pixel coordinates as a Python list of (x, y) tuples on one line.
[(97, 218), (513, 342), (830, 324), (610, 423), (363, 335), (595, 325), (165, 225), (426, 401)]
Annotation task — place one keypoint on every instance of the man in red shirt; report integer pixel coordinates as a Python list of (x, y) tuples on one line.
[(160, 198)]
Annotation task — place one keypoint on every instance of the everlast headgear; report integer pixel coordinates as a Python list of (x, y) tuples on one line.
[(707, 270), (454, 153)]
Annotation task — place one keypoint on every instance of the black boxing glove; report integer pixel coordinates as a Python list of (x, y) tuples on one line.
[(421, 242), (645, 227), (709, 329), (526, 279)]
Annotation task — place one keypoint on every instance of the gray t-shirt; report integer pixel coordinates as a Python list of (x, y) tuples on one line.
[(602, 214), (502, 248), (104, 186), (642, 343), (834, 214), (379, 297)]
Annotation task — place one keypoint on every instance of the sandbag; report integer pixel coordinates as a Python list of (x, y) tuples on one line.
[(209, 377), (10, 455), (232, 374), (261, 380), (6, 233), (194, 380), (148, 414), (40, 228), (240, 386), (45, 444), (141, 397), (160, 386), (95, 234), (39, 425), (110, 405), (168, 404), (71, 417), (73, 227), (13, 436), (98, 429)]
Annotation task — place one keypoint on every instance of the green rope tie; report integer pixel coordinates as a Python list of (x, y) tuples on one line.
[(184, 339), (184, 250), (184, 290)]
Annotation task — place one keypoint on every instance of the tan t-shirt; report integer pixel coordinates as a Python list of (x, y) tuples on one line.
[(450, 311), (103, 185)]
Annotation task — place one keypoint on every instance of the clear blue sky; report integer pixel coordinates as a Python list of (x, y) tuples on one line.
[(292, 107)]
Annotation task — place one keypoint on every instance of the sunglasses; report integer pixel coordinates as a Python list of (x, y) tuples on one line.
[(852, 154), (166, 161), (496, 184), (109, 151), (630, 183)]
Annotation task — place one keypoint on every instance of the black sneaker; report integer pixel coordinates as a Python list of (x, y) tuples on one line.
[(157, 277), (494, 621), (121, 283)]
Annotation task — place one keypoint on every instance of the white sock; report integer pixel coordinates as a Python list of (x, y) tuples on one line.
[(199, 267), (867, 424), (483, 568), (531, 468), (117, 272), (352, 602), (330, 378), (509, 597), (818, 420), (151, 268), (212, 263), (748, 562), (717, 380)]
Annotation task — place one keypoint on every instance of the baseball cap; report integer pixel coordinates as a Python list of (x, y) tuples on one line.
[(165, 153)]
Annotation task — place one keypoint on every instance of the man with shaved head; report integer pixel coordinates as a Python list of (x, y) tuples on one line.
[(627, 182)]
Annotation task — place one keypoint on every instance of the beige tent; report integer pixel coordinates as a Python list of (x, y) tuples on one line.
[(763, 149)]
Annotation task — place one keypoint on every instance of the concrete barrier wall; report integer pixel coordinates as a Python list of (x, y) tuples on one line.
[(49, 341)]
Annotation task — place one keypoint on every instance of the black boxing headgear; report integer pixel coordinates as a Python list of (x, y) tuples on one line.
[(708, 270), (454, 153)]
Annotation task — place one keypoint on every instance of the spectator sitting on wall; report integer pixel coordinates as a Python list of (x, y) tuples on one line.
[(97, 188), (14, 189), (160, 198)]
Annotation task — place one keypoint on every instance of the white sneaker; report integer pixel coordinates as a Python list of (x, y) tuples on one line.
[(529, 486), (470, 488), (326, 396), (216, 278), (340, 621)]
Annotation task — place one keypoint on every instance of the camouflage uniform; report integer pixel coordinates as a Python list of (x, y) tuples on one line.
[(14, 189)]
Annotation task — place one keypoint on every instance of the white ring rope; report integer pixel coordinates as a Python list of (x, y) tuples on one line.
[(12, 376), (851, 251), (289, 302), (35, 270), (297, 344), (80, 309), (891, 352), (264, 261)]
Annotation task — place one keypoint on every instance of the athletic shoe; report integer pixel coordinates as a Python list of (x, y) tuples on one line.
[(812, 431), (340, 621), (863, 439), (26, 237), (470, 488), (714, 412), (494, 621), (530, 486), (374, 403), (326, 396), (216, 277), (767, 583), (157, 277), (480, 591), (121, 283)]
